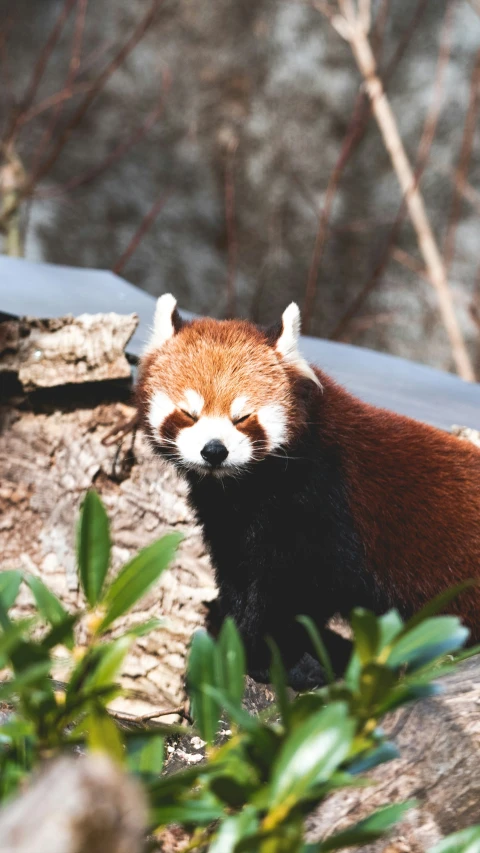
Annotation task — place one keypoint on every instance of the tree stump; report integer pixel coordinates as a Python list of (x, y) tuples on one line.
[(52, 451)]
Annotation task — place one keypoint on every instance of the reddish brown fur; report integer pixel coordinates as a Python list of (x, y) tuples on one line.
[(220, 361), (414, 493)]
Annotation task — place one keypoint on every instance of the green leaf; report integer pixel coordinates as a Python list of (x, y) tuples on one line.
[(201, 673), (172, 788), (465, 841), (50, 607), (279, 681), (93, 547), (61, 633), (109, 661), (190, 813), (236, 713), (390, 624), (231, 665), (103, 735), (234, 829), (376, 681), (385, 752), (34, 676), (428, 641), (146, 756), (367, 830), (9, 586), (319, 646), (366, 634), (311, 753), (136, 578), (438, 604), (146, 627), (12, 637)]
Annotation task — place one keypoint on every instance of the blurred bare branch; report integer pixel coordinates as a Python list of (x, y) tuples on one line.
[(475, 4), (355, 132), (118, 152), (232, 244), (19, 183), (385, 118), (426, 140), (463, 162), (39, 69), (142, 229), (95, 89)]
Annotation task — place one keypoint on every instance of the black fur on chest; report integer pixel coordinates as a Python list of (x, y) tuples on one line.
[(283, 543)]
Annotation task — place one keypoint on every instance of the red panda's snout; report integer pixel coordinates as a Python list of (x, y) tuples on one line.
[(217, 396), (215, 442)]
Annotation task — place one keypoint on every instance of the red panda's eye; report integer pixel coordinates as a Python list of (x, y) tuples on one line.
[(188, 415), (242, 419)]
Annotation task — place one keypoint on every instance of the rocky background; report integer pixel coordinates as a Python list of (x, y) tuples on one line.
[(222, 127)]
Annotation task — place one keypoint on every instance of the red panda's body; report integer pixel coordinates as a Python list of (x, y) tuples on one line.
[(414, 493), (310, 500)]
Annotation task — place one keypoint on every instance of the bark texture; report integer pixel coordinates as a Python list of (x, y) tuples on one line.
[(439, 766), (49, 353)]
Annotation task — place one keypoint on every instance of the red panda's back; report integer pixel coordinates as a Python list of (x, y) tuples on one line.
[(414, 494)]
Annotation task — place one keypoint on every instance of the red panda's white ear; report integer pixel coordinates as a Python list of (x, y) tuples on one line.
[(287, 343), (166, 321)]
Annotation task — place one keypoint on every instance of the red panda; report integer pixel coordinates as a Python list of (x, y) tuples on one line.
[(311, 501)]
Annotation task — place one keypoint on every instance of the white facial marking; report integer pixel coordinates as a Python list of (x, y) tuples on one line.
[(194, 402), (192, 440), (161, 407), (287, 343), (162, 322), (239, 407), (273, 420)]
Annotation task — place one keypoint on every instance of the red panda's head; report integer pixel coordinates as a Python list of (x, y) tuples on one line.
[(216, 396)]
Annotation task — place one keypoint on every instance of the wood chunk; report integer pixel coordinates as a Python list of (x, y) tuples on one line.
[(66, 350)]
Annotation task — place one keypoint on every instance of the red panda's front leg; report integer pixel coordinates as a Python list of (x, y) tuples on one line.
[(256, 621)]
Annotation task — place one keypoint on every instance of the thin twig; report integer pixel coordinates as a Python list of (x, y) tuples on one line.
[(118, 152), (475, 4), (71, 75), (95, 89), (385, 118), (142, 229), (52, 101), (426, 140), (463, 163), (232, 245), (39, 69), (138, 719), (355, 132), (358, 124)]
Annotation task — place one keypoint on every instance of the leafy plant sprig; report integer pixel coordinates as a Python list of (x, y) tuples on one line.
[(254, 790)]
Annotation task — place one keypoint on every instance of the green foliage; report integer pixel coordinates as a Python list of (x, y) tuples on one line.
[(273, 772), (257, 786), (466, 841), (46, 716)]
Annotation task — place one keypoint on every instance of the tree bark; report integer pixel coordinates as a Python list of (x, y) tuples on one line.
[(51, 452)]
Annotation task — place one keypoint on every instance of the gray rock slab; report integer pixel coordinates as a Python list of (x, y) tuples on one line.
[(423, 393)]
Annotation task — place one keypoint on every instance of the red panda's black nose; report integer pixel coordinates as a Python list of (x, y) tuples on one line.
[(214, 452)]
